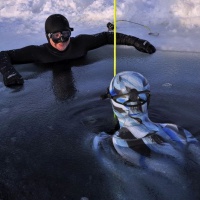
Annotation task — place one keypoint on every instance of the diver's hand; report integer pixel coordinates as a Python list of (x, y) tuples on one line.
[(144, 46), (12, 77)]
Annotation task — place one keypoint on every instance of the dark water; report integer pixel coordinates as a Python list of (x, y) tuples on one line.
[(48, 126)]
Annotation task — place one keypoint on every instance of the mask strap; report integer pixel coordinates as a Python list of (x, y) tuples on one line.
[(109, 96), (106, 96)]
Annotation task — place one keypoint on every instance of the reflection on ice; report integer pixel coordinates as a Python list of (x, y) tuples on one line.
[(153, 176)]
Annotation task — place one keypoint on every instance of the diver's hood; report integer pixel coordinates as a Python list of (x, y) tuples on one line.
[(130, 95)]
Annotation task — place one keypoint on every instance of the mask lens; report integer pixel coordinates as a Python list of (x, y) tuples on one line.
[(134, 98), (142, 97), (66, 34), (121, 99), (62, 36), (56, 35)]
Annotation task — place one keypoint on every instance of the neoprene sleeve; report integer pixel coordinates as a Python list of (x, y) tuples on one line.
[(78, 47), (5, 64)]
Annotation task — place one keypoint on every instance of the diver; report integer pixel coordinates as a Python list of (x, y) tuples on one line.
[(129, 93), (61, 47)]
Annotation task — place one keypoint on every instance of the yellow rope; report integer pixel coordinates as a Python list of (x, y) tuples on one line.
[(115, 40), (115, 37)]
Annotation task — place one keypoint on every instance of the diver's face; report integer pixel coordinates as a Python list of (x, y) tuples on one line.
[(124, 111), (133, 98), (60, 40), (135, 112), (133, 103), (61, 46)]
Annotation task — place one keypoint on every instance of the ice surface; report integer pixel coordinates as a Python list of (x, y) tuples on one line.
[(47, 126)]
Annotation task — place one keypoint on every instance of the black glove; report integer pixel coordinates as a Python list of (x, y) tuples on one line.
[(144, 46), (12, 77)]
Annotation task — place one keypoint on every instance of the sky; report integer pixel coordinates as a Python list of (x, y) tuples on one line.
[(175, 24)]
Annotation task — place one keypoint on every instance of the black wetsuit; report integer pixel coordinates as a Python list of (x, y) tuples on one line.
[(78, 47)]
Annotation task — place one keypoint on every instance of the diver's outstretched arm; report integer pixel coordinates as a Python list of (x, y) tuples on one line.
[(139, 44)]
